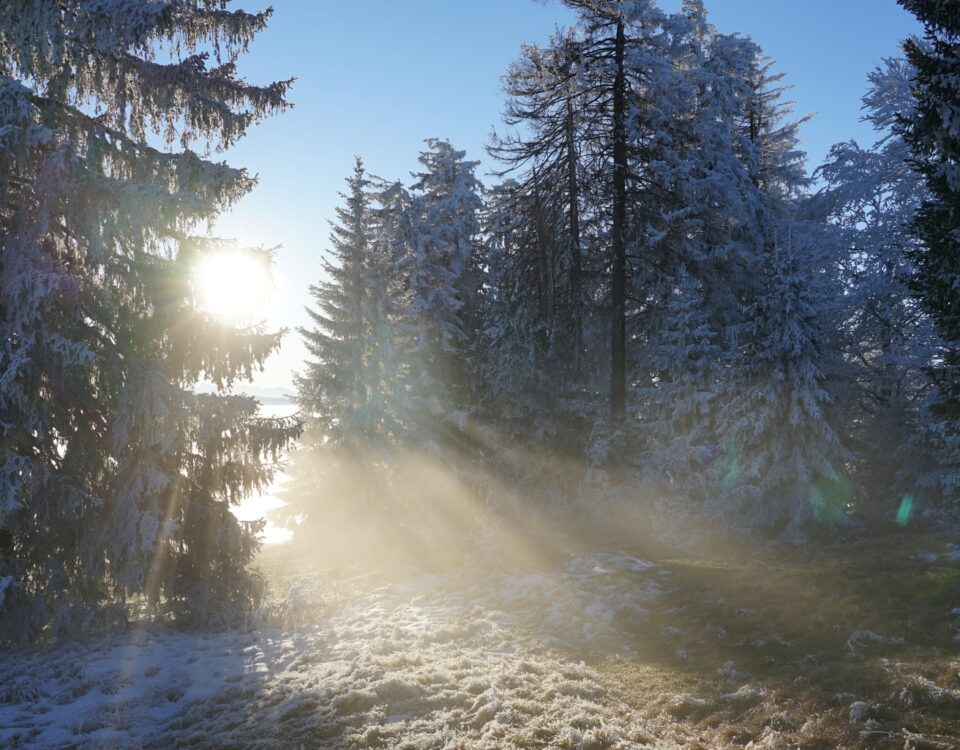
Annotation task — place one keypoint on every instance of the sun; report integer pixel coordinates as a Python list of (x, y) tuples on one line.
[(235, 286)]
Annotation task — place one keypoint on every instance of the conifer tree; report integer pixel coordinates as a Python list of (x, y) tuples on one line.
[(782, 458), (781, 462), (624, 67), (445, 273), (356, 390), (870, 197), (933, 133), (116, 477), (546, 98), (679, 404), (334, 389), (724, 168)]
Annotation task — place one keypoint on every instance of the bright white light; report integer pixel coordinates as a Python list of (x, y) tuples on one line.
[(234, 286)]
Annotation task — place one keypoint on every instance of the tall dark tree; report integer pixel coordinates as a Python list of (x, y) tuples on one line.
[(621, 50), (870, 197), (546, 99), (933, 133), (618, 231)]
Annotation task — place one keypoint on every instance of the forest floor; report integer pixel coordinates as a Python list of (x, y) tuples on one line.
[(845, 645)]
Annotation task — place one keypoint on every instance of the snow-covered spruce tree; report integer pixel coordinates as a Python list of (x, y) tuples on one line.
[(678, 407), (692, 219), (700, 252), (713, 352), (445, 281), (779, 464), (353, 390), (333, 388), (358, 391), (782, 465), (932, 130), (115, 477), (870, 197)]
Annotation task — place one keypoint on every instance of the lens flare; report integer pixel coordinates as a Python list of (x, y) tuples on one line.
[(732, 474), (905, 510), (830, 498)]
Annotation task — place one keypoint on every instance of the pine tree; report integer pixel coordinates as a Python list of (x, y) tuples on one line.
[(933, 132), (546, 98), (782, 462), (870, 198), (356, 390), (446, 275), (116, 477), (679, 406)]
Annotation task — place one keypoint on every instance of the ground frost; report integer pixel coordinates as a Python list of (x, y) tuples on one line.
[(478, 661)]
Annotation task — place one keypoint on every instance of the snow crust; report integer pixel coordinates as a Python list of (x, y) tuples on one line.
[(472, 660)]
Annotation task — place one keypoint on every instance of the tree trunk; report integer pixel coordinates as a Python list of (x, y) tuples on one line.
[(576, 272), (361, 386), (618, 363), (543, 263)]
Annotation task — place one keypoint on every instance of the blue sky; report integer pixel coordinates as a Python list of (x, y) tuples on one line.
[(376, 77)]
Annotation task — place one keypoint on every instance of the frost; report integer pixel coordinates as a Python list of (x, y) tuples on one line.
[(860, 640), (859, 712), (417, 663)]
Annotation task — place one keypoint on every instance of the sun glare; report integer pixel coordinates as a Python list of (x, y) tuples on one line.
[(235, 286)]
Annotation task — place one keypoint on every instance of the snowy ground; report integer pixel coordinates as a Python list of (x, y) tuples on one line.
[(852, 646), (438, 662)]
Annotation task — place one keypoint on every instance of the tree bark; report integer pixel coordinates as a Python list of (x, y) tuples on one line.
[(618, 363), (543, 261), (576, 271)]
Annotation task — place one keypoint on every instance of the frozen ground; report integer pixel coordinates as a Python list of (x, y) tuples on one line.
[(852, 645), (438, 662)]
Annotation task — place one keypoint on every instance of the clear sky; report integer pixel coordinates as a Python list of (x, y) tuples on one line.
[(376, 77)]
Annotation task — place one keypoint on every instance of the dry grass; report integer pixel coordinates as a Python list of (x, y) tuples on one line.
[(842, 645), (846, 644)]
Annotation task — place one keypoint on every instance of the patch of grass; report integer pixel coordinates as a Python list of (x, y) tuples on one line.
[(810, 631), (843, 644)]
